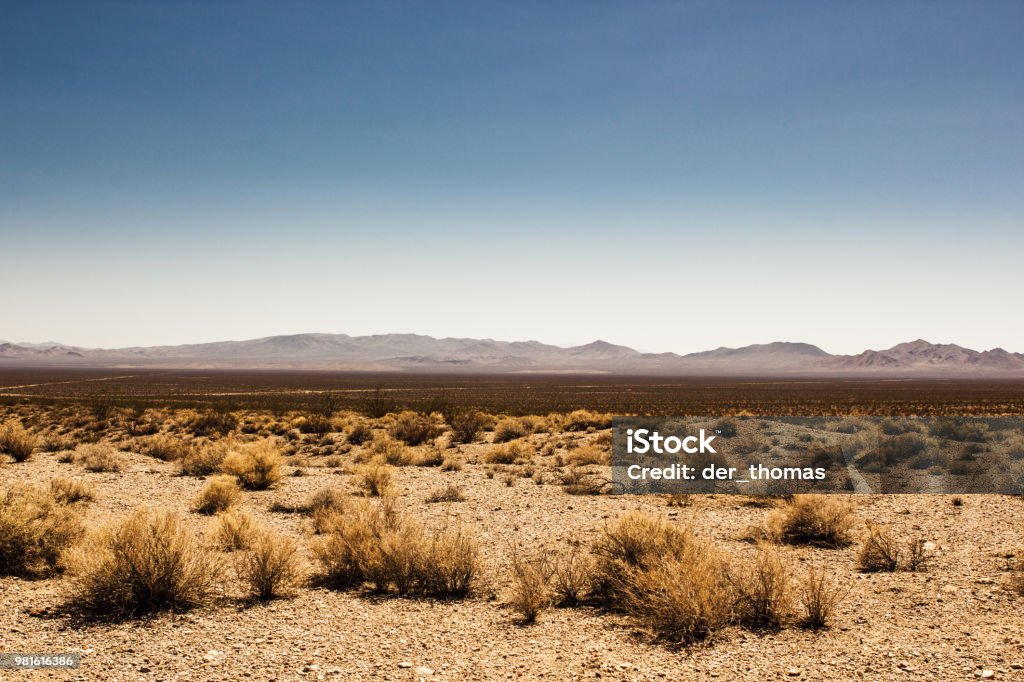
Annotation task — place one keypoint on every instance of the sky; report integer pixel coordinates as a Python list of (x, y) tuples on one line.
[(671, 176)]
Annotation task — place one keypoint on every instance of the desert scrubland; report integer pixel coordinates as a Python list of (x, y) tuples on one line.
[(331, 542)]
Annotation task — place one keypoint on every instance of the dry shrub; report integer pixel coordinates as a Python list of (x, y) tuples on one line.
[(257, 466), (359, 434), (571, 579), (316, 424), (219, 494), (466, 426), (636, 542), (685, 599), (509, 453), (819, 598), (431, 457), (764, 597), (98, 457), (583, 420), (531, 584), (17, 442), (205, 459), (149, 562), (71, 490), (163, 447), (881, 553), (510, 428), (325, 500), (380, 546), (414, 428), (235, 530), (391, 451), (450, 493), (212, 423), (451, 463), (271, 566), (35, 528), (588, 454), (375, 477), (581, 482), (817, 520)]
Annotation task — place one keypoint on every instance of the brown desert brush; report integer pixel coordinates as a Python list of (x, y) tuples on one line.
[(17, 442), (35, 528), (257, 466), (148, 562), (271, 566), (817, 520), (220, 493)]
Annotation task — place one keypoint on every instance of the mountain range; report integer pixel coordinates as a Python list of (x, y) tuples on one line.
[(418, 353)]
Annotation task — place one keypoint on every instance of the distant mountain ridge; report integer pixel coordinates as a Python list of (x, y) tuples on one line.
[(420, 353)]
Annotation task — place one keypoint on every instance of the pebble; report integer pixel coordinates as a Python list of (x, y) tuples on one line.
[(794, 672), (405, 664)]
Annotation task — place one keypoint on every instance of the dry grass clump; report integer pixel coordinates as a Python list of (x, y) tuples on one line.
[(451, 463), (97, 457), (71, 490), (316, 424), (764, 595), (819, 598), (17, 442), (817, 520), (584, 420), (509, 453), (450, 493), (375, 477), (163, 447), (531, 584), (414, 428), (681, 600), (571, 578), (271, 565), (148, 562), (467, 425), (218, 495), (35, 528), (636, 542), (432, 456), (211, 423), (577, 481), (359, 433), (510, 428), (235, 530), (379, 546), (588, 454), (205, 459), (391, 451), (881, 553), (257, 466)]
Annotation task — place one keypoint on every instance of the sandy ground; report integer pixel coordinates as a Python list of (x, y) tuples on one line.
[(958, 620)]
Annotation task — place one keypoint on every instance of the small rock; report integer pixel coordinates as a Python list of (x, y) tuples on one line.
[(405, 664), (144, 669), (794, 672), (986, 674), (424, 671)]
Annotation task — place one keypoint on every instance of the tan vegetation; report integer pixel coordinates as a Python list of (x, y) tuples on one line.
[(36, 526), (219, 494), (17, 442), (148, 562), (817, 520), (257, 466)]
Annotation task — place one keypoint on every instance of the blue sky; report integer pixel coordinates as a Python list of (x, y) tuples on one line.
[(672, 176)]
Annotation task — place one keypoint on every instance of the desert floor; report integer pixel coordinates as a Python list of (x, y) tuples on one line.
[(957, 620)]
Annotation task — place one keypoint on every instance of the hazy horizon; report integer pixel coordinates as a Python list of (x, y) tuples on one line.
[(663, 176), (540, 340)]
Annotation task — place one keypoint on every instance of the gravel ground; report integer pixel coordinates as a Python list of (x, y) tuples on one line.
[(958, 620)]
